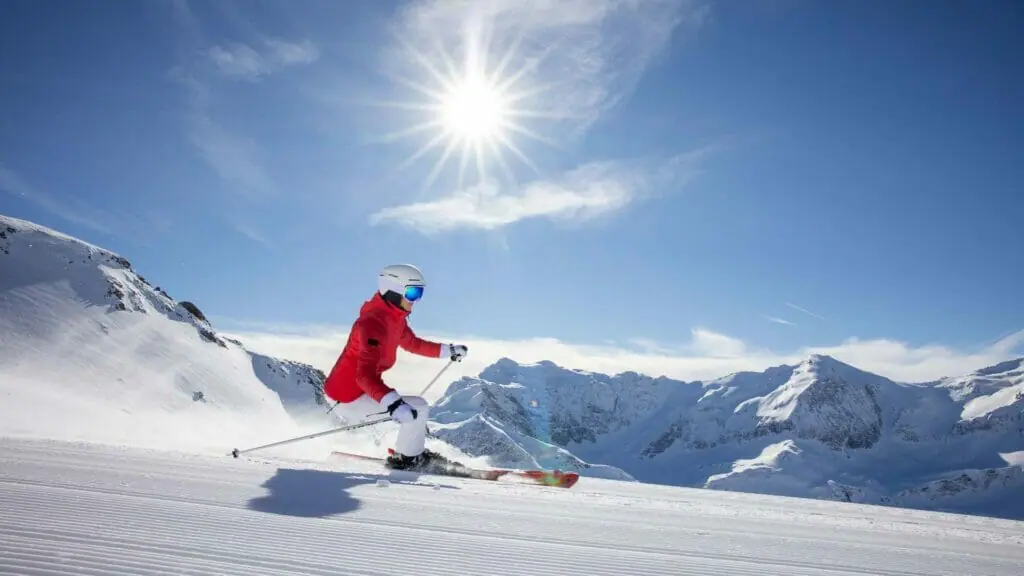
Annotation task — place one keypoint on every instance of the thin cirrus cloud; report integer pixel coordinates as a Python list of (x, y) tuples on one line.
[(235, 158), (242, 61), (112, 222), (583, 193), (15, 184), (777, 320), (705, 355), (806, 311)]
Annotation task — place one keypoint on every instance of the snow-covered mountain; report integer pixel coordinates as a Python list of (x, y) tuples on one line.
[(821, 429), (90, 350)]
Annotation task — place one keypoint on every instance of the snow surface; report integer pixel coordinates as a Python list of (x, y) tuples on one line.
[(70, 508)]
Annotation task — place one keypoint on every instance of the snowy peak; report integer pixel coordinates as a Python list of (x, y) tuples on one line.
[(825, 366), (985, 381), (991, 398), (96, 276), (827, 400), (508, 371), (84, 333), (821, 398), (555, 404), (538, 376), (993, 402), (18, 231)]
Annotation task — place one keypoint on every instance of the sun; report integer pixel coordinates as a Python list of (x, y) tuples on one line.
[(470, 110), (474, 110)]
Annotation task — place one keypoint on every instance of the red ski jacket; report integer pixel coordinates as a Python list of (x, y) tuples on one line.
[(371, 349)]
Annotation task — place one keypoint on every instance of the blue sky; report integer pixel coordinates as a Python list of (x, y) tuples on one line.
[(783, 174)]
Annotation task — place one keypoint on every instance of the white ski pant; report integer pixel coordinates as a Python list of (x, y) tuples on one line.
[(412, 436)]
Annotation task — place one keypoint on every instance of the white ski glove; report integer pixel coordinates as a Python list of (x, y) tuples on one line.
[(397, 408), (455, 352)]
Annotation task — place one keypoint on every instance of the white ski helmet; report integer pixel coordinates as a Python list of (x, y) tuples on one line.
[(402, 279)]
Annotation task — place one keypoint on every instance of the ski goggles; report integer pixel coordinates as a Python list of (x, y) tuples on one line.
[(413, 293)]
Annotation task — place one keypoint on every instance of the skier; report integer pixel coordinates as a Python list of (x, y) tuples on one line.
[(355, 380)]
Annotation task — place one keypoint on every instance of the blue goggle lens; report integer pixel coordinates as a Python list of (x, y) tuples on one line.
[(413, 293)]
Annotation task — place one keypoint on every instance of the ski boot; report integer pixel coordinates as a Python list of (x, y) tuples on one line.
[(428, 462)]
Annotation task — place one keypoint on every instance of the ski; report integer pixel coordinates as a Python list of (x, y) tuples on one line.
[(552, 478)]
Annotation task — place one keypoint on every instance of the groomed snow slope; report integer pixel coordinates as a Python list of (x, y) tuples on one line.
[(78, 509)]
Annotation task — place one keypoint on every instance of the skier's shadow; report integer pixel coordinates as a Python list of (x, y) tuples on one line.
[(319, 493)]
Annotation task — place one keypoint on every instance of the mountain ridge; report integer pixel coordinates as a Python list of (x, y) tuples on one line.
[(819, 428)]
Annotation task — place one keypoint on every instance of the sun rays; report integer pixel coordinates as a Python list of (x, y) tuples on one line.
[(473, 113)]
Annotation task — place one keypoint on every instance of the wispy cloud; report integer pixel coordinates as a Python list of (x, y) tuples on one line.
[(778, 320), (233, 157), (238, 60), (589, 191), (138, 226), (251, 233), (805, 311), (237, 159), (282, 53), (14, 184), (584, 56), (706, 355), (592, 190)]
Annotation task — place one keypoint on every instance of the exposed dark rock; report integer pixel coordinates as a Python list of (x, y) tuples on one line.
[(193, 310), (209, 336)]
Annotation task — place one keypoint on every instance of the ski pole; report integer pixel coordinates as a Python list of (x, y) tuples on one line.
[(446, 366), (236, 451)]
